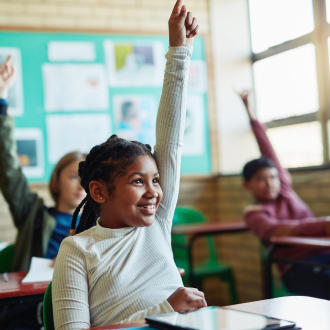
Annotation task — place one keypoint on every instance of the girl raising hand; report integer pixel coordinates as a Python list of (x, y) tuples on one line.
[(118, 266)]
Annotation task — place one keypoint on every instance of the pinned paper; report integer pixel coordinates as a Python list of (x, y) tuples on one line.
[(40, 271)]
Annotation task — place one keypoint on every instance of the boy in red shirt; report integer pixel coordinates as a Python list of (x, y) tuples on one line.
[(278, 211)]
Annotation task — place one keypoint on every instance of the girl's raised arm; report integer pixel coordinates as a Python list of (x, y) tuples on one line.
[(172, 109)]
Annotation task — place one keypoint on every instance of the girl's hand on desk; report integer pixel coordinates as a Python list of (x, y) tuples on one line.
[(185, 299), (183, 27), (7, 77)]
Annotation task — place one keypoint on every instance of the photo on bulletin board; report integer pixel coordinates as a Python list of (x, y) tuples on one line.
[(194, 135), (74, 87), (134, 64), (135, 117), (30, 151), (15, 96), (75, 132)]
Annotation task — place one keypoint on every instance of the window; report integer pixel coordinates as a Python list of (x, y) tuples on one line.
[(290, 53)]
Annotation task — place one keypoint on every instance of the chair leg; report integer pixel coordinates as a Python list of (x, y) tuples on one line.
[(229, 278)]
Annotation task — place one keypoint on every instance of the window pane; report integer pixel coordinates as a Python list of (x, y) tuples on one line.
[(286, 84), (298, 145), (276, 21)]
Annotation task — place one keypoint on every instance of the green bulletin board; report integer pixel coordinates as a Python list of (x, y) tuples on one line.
[(33, 47)]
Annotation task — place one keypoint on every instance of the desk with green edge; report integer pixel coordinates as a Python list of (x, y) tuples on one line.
[(201, 229)]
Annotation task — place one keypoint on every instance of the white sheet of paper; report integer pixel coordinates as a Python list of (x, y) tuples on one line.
[(15, 95), (30, 151), (40, 271), (194, 136), (3, 245), (74, 87), (197, 80), (66, 133), (71, 51)]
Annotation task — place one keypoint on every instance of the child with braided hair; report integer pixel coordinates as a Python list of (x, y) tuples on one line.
[(118, 266)]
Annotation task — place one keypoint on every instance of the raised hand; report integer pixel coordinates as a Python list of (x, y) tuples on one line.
[(185, 299), (7, 77), (183, 27), (245, 98)]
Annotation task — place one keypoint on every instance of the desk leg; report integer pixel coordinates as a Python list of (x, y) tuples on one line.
[(268, 273), (191, 262)]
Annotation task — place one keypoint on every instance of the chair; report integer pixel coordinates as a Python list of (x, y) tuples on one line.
[(278, 287), (6, 259), (48, 309), (212, 267)]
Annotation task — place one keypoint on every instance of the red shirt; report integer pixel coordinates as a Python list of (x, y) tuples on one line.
[(286, 212)]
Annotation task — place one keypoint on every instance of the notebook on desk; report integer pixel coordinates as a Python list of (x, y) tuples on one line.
[(216, 318)]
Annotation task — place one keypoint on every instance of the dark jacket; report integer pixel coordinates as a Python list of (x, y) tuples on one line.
[(34, 221)]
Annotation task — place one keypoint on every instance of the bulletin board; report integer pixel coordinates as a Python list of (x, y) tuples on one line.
[(74, 90)]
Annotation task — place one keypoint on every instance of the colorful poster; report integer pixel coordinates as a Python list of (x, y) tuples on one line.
[(66, 133), (134, 64), (74, 51), (194, 133), (15, 96), (135, 117), (30, 151), (74, 87)]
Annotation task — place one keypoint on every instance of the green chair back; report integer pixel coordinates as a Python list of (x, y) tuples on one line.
[(48, 309), (7, 258)]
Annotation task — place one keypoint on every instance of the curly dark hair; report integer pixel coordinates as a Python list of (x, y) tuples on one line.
[(104, 162)]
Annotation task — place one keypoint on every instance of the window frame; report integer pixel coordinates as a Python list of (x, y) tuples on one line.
[(319, 37)]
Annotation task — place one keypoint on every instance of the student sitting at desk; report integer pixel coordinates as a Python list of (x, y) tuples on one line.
[(278, 211), (119, 264), (40, 229)]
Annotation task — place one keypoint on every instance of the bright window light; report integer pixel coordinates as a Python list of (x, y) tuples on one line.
[(298, 145), (286, 84), (276, 21)]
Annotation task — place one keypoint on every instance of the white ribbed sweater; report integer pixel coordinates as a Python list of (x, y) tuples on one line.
[(105, 276)]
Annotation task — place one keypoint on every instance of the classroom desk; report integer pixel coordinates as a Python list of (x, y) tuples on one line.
[(278, 242), (210, 228), (14, 291), (308, 313)]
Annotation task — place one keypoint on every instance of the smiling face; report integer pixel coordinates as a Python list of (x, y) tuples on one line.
[(265, 184), (134, 199)]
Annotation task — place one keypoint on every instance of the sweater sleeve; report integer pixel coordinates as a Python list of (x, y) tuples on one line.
[(13, 183), (170, 127), (265, 226), (161, 308), (70, 289), (268, 151)]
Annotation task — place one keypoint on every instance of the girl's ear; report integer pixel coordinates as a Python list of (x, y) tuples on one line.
[(97, 191)]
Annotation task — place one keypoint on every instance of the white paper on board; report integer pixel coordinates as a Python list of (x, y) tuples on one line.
[(15, 96), (138, 64), (194, 133), (74, 87), (67, 132), (71, 51), (40, 271), (197, 80), (30, 151)]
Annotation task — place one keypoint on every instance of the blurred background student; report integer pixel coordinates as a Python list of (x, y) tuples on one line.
[(40, 229), (278, 211)]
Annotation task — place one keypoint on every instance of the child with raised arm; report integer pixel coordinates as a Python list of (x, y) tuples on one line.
[(118, 266), (278, 211), (41, 229)]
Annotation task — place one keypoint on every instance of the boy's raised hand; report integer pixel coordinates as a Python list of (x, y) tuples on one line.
[(183, 27), (7, 77)]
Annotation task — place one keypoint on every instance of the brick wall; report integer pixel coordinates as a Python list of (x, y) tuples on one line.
[(124, 15)]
